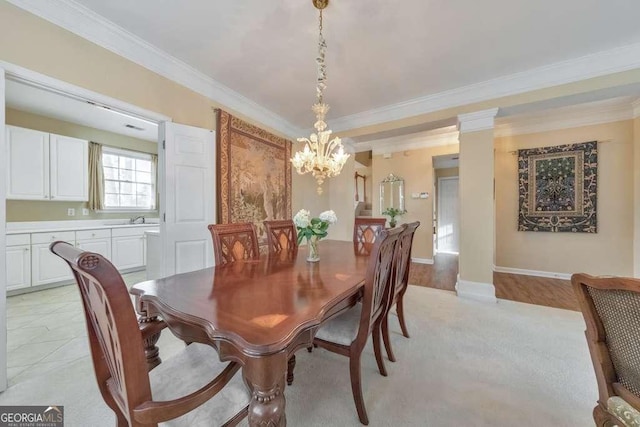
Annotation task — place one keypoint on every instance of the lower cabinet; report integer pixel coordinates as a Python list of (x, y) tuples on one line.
[(30, 263), (127, 248), (98, 241), (18, 257), (45, 266)]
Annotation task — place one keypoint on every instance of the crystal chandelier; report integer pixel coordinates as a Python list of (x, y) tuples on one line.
[(323, 157)]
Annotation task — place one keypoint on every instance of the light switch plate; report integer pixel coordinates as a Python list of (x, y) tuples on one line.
[(415, 195), (71, 212), (85, 211)]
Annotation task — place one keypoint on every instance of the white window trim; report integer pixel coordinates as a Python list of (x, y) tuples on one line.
[(133, 154)]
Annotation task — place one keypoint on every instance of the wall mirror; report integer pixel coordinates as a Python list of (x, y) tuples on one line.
[(392, 193)]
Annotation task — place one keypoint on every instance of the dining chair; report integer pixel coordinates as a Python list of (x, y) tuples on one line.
[(137, 396), (347, 333), (401, 281), (233, 242), (281, 236), (365, 230), (611, 310)]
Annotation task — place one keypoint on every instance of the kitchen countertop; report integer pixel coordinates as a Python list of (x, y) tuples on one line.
[(50, 229)]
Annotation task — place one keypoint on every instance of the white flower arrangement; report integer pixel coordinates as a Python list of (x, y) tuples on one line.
[(309, 227)]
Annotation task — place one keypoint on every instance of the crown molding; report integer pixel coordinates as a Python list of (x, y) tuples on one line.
[(593, 113), (585, 67), (440, 137), (89, 25), (478, 120)]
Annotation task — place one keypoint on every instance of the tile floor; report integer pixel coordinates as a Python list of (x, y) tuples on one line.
[(46, 330)]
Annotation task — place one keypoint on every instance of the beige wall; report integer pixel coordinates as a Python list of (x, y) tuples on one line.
[(475, 262), (416, 167), (36, 210), (610, 251), (341, 200)]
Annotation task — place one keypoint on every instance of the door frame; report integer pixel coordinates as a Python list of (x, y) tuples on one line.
[(439, 196), (21, 74)]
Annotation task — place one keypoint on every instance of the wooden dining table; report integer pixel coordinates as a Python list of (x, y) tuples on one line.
[(258, 313)]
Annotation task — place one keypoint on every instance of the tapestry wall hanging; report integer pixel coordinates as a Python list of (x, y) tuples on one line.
[(558, 188), (254, 174)]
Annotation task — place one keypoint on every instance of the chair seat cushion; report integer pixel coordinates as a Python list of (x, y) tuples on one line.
[(627, 414), (343, 328), (185, 373)]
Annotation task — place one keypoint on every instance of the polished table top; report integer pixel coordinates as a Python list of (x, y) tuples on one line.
[(260, 306)]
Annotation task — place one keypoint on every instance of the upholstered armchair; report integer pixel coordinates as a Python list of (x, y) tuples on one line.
[(611, 309)]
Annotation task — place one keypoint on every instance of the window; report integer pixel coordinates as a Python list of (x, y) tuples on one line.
[(129, 180)]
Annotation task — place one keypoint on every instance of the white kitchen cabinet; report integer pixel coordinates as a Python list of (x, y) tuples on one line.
[(27, 164), (43, 166), (18, 257), (69, 165), (127, 248), (98, 241), (45, 266)]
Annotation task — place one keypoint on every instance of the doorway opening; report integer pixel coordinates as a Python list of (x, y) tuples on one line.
[(446, 206)]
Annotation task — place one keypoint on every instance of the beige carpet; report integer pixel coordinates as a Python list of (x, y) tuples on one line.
[(467, 363)]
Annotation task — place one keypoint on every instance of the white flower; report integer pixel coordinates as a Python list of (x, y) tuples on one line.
[(302, 219), (329, 216)]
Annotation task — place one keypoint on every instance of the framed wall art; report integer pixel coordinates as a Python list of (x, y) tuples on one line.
[(558, 188)]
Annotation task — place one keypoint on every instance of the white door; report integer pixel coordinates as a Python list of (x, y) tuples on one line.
[(448, 228), (188, 192), (3, 241)]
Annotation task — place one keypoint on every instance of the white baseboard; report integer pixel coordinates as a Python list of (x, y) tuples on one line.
[(536, 273), (422, 260), (485, 292)]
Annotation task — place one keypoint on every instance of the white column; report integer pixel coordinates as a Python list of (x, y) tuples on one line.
[(477, 216)]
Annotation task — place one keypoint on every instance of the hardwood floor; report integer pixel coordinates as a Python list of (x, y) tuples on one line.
[(528, 289)]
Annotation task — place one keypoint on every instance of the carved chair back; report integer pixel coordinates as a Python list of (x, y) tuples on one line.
[(233, 242), (115, 338), (405, 242), (378, 280), (281, 236), (611, 309), (365, 231)]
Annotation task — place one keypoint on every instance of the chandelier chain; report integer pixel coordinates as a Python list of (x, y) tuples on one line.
[(322, 67)]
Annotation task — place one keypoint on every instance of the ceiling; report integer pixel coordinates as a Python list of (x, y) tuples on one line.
[(384, 58), (379, 53)]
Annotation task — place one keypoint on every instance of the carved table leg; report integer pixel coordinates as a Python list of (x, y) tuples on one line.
[(151, 328), (265, 377), (291, 364)]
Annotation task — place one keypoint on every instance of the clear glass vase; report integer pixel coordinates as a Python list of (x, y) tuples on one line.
[(312, 244)]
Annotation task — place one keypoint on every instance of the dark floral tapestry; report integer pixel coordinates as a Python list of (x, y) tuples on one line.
[(558, 188)]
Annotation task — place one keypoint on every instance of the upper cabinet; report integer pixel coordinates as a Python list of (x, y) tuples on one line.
[(43, 166)]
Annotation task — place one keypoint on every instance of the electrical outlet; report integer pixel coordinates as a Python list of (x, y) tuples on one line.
[(71, 212), (85, 211)]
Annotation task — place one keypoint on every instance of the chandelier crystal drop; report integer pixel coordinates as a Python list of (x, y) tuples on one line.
[(322, 156)]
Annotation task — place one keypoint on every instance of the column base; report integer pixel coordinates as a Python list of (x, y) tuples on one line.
[(479, 291)]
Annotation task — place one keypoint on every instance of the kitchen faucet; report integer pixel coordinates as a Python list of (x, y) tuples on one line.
[(133, 220)]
